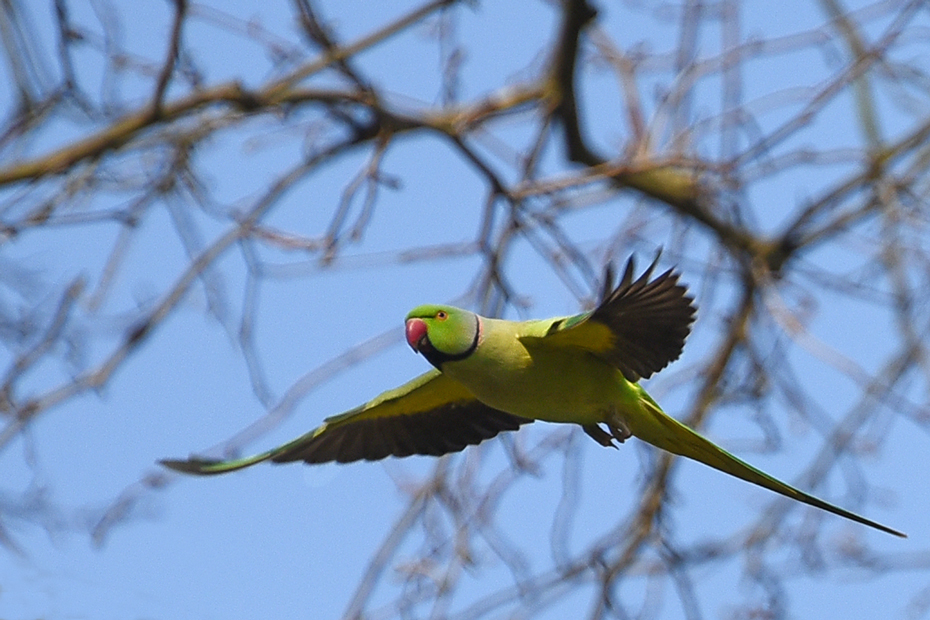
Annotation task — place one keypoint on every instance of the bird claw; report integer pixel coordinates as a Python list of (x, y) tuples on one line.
[(599, 435), (618, 428)]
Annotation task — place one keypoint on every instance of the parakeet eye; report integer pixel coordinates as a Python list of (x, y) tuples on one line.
[(442, 315)]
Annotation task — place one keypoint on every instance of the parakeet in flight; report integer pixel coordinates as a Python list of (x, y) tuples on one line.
[(493, 375)]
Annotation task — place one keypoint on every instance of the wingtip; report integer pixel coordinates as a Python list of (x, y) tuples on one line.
[(630, 269), (209, 467), (199, 467)]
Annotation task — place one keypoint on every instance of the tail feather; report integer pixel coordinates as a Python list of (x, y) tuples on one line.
[(662, 431)]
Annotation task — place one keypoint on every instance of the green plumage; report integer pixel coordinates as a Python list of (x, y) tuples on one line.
[(493, 375)]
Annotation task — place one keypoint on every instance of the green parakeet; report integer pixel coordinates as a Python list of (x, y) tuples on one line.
[(493, 375)]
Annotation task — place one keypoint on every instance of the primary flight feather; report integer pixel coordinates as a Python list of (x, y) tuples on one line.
[(492, 375)]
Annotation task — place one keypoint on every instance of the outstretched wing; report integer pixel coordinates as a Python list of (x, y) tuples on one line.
[(430, 415), (639, 327)]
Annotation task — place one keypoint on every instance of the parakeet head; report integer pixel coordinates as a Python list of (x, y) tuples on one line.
[(443, 333)]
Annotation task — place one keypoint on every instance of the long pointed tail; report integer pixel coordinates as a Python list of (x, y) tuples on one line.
[(661, 430)]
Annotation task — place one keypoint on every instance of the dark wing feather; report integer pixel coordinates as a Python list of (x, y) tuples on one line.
[(437, 432), (639, 327), (649, 319), (431, 415)]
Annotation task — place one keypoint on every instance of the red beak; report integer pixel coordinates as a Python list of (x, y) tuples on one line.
[(416, 333)]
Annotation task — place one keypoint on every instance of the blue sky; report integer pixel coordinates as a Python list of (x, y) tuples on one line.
[(293, 542)]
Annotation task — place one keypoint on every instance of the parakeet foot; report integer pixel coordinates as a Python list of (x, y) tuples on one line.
[(618, 428), (599, 435)]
